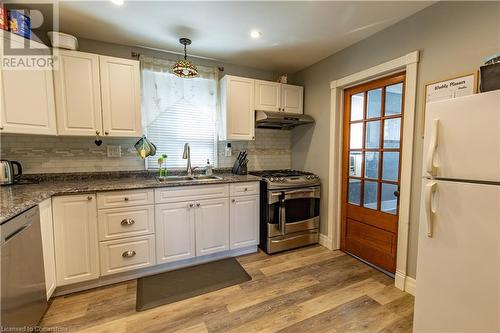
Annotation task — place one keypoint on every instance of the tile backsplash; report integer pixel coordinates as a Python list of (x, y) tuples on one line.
[(51, 154)]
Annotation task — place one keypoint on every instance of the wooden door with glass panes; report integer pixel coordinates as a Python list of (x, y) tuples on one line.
[(373, 129)]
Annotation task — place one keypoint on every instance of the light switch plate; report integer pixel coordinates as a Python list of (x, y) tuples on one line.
[(114, 151)]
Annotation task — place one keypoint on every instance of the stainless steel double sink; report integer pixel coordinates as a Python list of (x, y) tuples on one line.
[(197, 178)]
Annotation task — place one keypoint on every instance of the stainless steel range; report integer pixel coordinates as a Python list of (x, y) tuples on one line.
[(289, 209)]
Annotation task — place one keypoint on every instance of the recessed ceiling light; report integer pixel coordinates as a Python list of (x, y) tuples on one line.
[(255, 34), (117, 2)]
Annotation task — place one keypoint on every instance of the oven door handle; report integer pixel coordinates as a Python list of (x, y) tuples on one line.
[(312, 192), (282, 217)]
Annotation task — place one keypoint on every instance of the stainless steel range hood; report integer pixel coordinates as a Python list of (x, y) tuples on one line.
[(280, 120)]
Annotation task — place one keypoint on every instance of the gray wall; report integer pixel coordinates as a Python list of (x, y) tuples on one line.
[(453, 38)]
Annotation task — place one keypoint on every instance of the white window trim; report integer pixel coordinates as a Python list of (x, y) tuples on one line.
[(409, 63)]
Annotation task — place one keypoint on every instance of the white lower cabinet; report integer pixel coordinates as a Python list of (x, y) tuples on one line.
[(212, 226), (126, 254), (244, 217), (49, 262), (75, 236), (130, 230), (175, 235)]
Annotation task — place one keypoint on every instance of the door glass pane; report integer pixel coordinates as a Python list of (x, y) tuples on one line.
[(389, 200), (390, 166), (371, 164), (355, 158), (354, 191), (356, 133), (374, 103), (393, 99), (392, 132), (357, 103), (372, 134), (370, 195)]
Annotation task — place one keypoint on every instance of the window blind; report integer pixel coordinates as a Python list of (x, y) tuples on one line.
[(185, 120)]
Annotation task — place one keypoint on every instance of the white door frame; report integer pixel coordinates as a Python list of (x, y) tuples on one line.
[(408, 63)]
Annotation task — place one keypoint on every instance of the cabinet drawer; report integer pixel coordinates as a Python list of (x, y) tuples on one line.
[(117, 223), (189, 193), (238, 189), (125, 198), (127, 254)]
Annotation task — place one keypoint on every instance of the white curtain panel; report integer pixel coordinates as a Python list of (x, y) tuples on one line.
[(161, 88)]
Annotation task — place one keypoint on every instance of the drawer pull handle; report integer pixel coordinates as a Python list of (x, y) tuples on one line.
[(127, 221), (128, 254), (126, 198)]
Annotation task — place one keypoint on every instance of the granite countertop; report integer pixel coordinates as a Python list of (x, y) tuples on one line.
[(15, 199)]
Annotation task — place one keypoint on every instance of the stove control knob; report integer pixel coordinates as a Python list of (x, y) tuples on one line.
[(271, 179), (308, 177), (282, 179)]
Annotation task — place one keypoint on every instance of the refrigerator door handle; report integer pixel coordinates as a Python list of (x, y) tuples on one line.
[(430, 210), (432, 168)]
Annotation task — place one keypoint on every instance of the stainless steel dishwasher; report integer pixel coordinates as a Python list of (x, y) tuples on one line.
[(23, 296)]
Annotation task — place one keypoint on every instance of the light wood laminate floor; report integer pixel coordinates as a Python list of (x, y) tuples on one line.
[(305, 290)]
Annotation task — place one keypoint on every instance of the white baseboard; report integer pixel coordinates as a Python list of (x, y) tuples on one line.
[(405, 283), (411, 285), (325, 241)]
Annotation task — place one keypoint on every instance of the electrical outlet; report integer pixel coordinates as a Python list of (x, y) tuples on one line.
[(114, 151)]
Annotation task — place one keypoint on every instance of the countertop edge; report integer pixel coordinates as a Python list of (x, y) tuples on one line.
[(32, 202)]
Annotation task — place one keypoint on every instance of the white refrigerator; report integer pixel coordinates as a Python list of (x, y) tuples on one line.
[(458, 269)]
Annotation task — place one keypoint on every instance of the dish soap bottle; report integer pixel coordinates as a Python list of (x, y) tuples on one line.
[(208, 168)]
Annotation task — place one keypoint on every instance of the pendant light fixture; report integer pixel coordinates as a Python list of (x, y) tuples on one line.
[(185, 68)]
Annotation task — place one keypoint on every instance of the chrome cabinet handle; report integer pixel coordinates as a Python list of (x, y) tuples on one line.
[(128, 254), (127, 221), (89, 198)]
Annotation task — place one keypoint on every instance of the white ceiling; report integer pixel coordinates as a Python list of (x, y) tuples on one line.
[(294, 34)]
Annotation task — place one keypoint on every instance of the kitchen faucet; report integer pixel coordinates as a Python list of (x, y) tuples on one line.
[(187, 155)]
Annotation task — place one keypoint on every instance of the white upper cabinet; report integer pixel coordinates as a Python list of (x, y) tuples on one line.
[(97, 95), (278, 97), (78, 94), (237, 108), (27, 102), (292, 98), (267, 96), (121, 97)]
